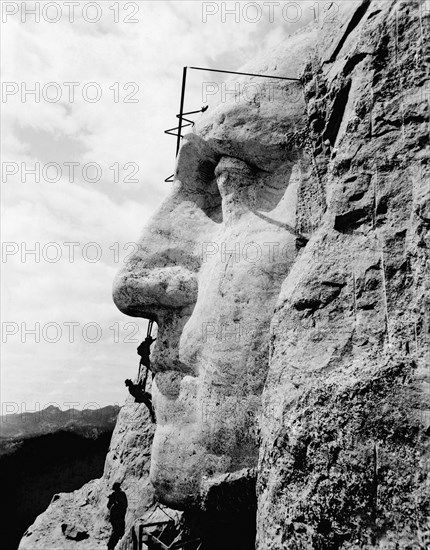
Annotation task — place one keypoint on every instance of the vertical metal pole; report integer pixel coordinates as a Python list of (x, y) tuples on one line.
[(181, 109)]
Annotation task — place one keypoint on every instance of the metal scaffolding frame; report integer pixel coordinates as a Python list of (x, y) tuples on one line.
[(177, 131)]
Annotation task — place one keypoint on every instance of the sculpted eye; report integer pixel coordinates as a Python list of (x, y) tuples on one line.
[(229, 165), (206, 171), (237, 186), (222, 178)]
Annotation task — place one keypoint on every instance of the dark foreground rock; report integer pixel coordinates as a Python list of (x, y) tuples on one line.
[(38, 469)]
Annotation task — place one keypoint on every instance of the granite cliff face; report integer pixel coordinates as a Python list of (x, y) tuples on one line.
[(344, 454), (288, 276)]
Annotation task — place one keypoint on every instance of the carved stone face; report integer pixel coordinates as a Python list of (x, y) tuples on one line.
[(209, 270)]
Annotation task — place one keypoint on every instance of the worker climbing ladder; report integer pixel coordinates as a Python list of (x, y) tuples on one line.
[(144, 350), (138, 391)]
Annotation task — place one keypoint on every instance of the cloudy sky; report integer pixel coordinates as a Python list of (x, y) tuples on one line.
[(96, 88)]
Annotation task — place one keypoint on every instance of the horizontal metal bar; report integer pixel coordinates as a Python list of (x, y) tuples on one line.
[(155, 523), (245, 74), (158, 542), (202, 110), (190, 122), (183, 544), (171, 130)]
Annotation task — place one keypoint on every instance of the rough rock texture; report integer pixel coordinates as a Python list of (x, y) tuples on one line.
[(288, 276), (345, 444)]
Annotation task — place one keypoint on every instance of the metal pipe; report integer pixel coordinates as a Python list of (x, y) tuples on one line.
[(245, 74), (181, 109)]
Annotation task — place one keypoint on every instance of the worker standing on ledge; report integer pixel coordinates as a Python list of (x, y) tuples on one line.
[(117, 505)]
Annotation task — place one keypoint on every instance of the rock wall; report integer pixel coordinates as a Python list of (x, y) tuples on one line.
[(344, 454), (80, 519)]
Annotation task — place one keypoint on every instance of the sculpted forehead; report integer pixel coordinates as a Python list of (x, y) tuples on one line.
[(263, 109), (261, 125)]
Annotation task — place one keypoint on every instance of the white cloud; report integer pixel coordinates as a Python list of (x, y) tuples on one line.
[(150, 53)]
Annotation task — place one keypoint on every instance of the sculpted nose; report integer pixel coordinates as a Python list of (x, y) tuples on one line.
[(149, 290), (161, 276)]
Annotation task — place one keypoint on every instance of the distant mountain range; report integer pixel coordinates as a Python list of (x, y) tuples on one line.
[(89, 423)]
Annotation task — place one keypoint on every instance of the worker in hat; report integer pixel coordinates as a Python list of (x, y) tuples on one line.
[(117, 506)]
